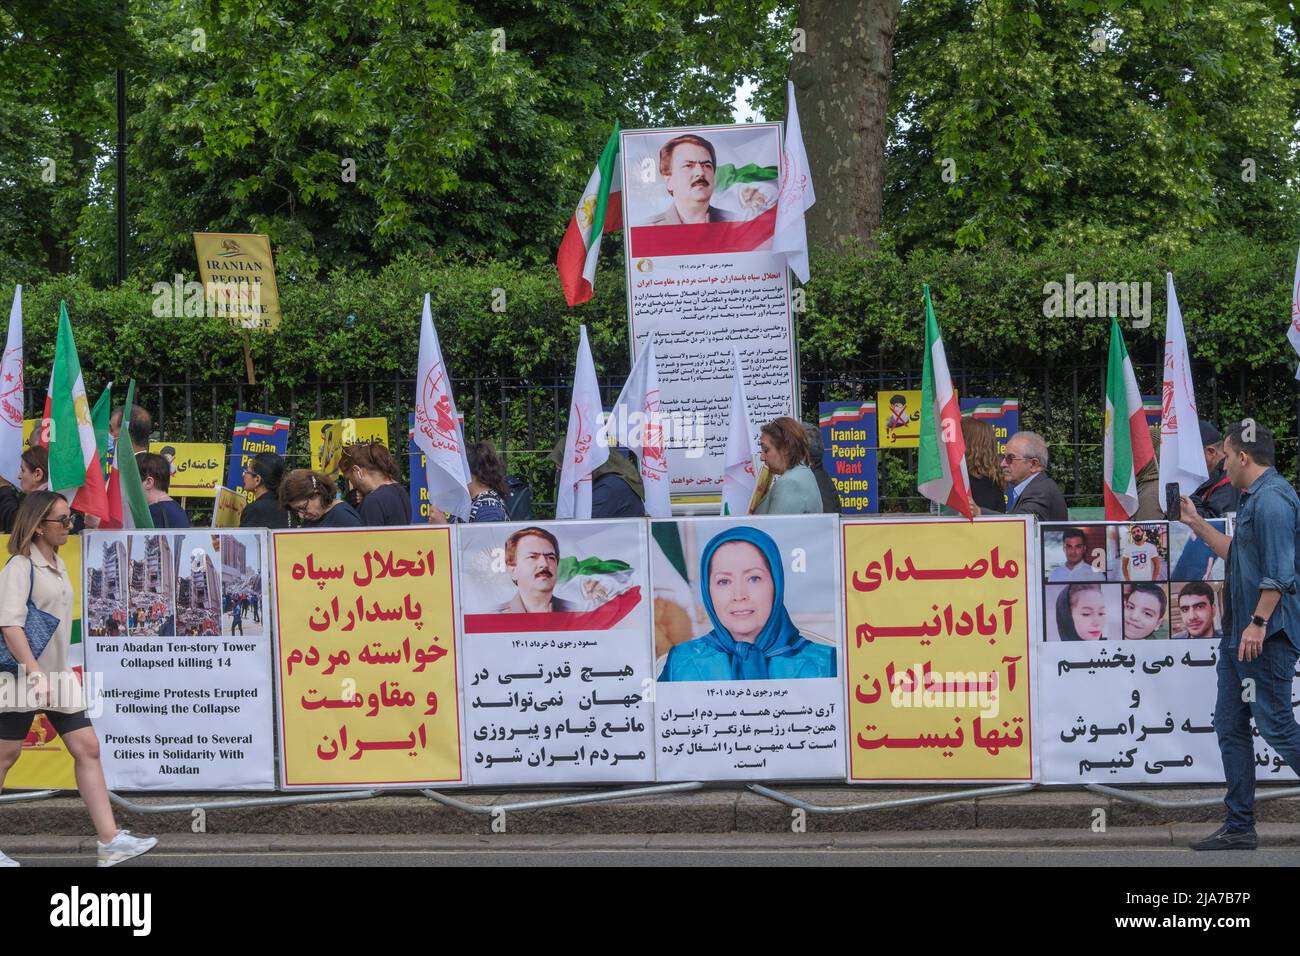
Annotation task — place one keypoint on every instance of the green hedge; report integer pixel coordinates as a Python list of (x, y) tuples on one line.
[(506, 324)]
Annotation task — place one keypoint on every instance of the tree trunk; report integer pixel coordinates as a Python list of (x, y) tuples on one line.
[(842, 83)]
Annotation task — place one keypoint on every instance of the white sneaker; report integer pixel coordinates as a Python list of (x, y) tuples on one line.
[(7, 861), (124, 847)]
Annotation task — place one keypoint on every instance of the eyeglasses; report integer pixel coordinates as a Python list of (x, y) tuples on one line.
[(1006, 457), (66, 520)]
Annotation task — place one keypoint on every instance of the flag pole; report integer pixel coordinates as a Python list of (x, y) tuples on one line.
[(248, 360)]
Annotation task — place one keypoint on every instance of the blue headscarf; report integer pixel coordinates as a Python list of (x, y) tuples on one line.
[(779, 637)]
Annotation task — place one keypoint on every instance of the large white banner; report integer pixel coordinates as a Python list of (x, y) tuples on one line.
[(178, 636), (1133, 615), (748, 663), (699, 211), (556, 652)]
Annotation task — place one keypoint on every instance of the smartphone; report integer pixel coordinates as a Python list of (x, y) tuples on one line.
[(1173, 501)]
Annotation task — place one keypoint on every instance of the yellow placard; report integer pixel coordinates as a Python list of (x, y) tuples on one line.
[(367, 657), (228, 508), (44, 762), (328, 437), (898, 419), (197, 467), (238, 267), (937, 626)]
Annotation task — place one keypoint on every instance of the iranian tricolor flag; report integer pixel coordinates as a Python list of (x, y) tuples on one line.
[(75, 471), (599, 211), (126, 502), (1127, 442), (941, 468)]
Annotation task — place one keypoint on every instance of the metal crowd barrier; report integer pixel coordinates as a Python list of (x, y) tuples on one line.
[(792, 801), (1144, 800)]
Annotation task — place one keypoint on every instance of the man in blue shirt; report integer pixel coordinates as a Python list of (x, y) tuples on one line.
[(1261, 618)]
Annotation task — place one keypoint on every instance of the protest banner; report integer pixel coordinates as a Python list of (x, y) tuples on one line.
[(1002, 413), (771, 584), (239, 267), (177, 636), (849, 454), (195, 466), (699, 206), (898, 421), (44, 762), (939, 618), (254, 433), (557, 662), (228, 507), (328, 437), (1140, 706), (367, 655)]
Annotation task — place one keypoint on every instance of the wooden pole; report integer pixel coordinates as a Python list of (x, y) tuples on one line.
[(248, 361)]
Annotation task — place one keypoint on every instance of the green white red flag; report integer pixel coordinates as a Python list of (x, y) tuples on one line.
[(1127, 444), (75, 471), (941, 467), (599, 211)]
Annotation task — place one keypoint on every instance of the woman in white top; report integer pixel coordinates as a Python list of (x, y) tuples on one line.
[(48, 684)]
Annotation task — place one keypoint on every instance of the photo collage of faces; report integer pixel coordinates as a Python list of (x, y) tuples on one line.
[(1139, 581)]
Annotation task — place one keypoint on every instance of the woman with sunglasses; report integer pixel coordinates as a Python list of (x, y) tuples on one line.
[(37, 577), (313, 498), (262, 480)]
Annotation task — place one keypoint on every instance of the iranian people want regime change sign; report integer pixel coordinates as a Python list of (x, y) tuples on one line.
[(849, 454), (176, 625), (699, 207), (254, 433), (366, 650), (748, 664), (557, 665), (938, 620)]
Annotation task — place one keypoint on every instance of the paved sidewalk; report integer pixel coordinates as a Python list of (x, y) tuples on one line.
[(710, 811)]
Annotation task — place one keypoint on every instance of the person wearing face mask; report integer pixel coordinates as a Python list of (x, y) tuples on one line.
[(742, 586), (372, 470), (312, 497)]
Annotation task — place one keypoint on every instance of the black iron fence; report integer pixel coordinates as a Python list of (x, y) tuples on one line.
[(525, 417)]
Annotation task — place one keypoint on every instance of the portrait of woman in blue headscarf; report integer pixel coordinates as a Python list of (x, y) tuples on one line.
[(742, 583)]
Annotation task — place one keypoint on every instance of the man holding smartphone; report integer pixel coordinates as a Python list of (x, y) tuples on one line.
[(1261, 616)]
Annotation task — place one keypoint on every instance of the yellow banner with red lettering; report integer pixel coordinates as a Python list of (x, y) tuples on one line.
[(367, 651), (938, 618)]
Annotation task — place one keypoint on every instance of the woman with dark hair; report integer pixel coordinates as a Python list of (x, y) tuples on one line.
[(314, 499), (742, 586), (794, 488), (36, 603), (1081, 613), (488, 490), (372, 470), (262, 481), (33, 475)]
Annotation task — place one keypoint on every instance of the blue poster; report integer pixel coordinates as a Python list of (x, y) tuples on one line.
[(849, 453), (1002, 413), (254, 433), (419, 479)]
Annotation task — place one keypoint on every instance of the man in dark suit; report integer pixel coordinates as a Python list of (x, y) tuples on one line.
[(1029, 490)]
